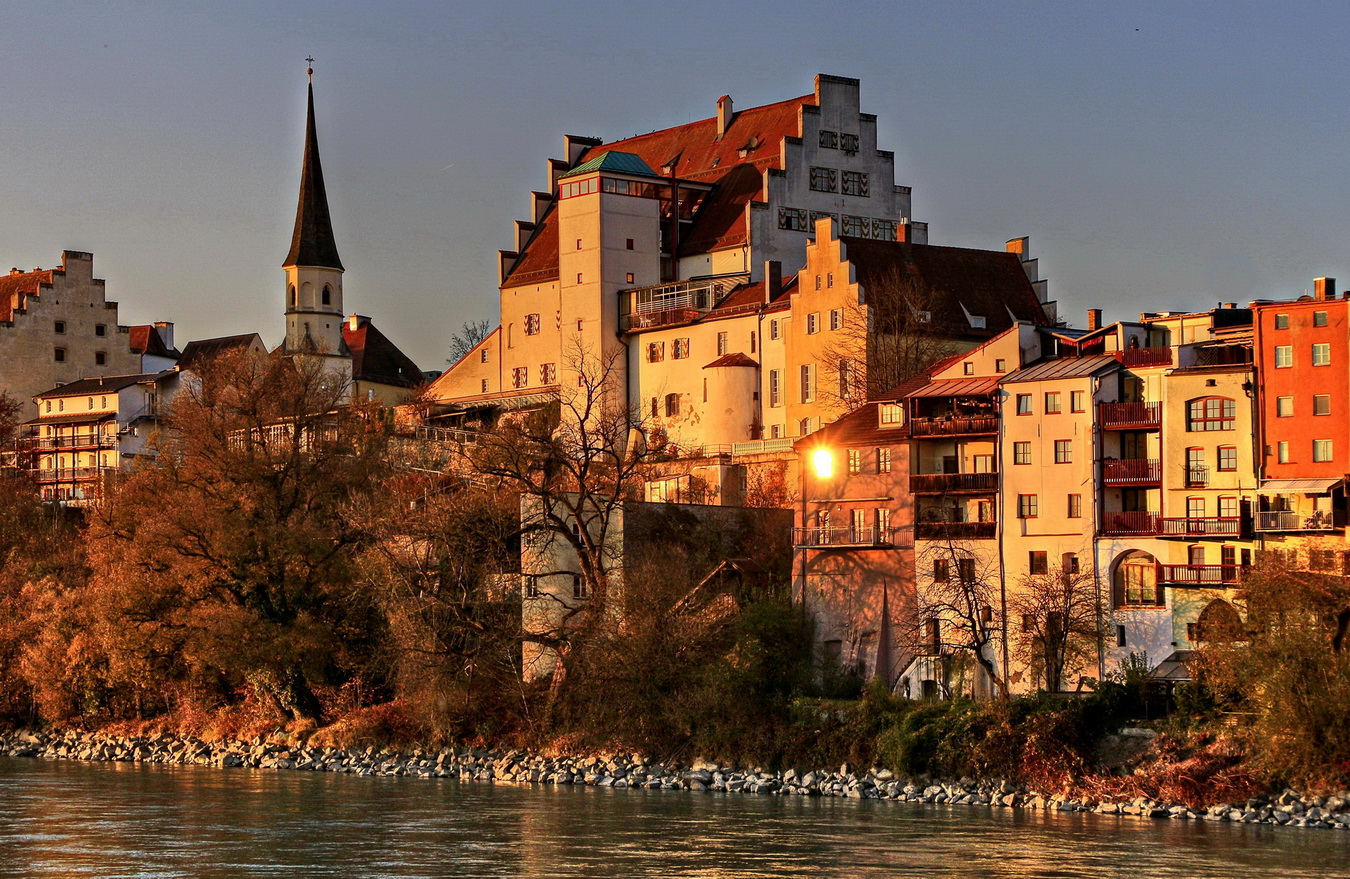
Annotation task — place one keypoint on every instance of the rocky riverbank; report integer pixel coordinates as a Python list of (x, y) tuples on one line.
[(628, 771)]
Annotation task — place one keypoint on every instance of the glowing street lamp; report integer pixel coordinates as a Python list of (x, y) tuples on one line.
[(822, 461)]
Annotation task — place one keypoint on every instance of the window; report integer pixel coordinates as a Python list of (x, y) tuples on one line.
[(1063, 451), (1037, 562), (484, 386), (752, 341), (1284, 356), (1228, 508), (1052, 406), (672, 405), (721, 344), (1136, 582), (968, 368), (100, 357), (1120, 636), (520, 377), (1322, 450), (941, 570), (1195, 508), (892, 413), (837, 319), (848, 142), (655, 408), (804, 427), (531, 585), (579, 277), (531, 324), (578, 244), (1075, 506), (1027, 506), (808, 382), (845, 379), (90, 407), (858, 526), (579, 589), (1284, 407), (829, 279), (628, 244), (1023, 404), (855, 183), (1210, 413), (680, 349), (100, 330), (824, 179), (1227, 457), (548, 373), (60, 327), (1077, 401), (883, 460), (656, 352), (854, 462), (812, 323), (982, 463), (1321, 404), (775, 387), (965, 569), (59, 355), (49, 407), (628, 278), (1282, 452), (773, 329), (327, 295), (1319, 318), (1281, 321), (883, 520), (581, 324), (483, 356), (829, 139), (1000, 365), (1321, 354), (1021, 452)]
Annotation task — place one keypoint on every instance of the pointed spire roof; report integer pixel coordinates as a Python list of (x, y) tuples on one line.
[(312, 243)]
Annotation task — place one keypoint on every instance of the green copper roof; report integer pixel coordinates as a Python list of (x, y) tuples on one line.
[(616, 162)]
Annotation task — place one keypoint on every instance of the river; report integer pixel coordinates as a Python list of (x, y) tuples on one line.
[(126, 820)]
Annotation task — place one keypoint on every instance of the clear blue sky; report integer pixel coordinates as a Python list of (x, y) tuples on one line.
[(1160, 155)]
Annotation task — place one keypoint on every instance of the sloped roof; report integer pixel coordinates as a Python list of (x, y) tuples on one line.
[(200, 350), (698, 156), (861, 427), (1062, 367), (616, 161), (957, 387), (145, 340), (100, 385), (18, 285), (733, 359), (990, 284), (312, 243), (376, 359)]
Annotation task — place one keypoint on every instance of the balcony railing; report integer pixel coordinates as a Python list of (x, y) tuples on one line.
[(1130, 523), (1289, 520), (680, 302), (69, 441), (762, 447), (1146, 356), (952, 426), (1132, 471), (1219, 526), (457, 435), (843, 538), (955, 530), (1129, 416), (69, 474), (1197, 477), (940, 483), (1200, 575)]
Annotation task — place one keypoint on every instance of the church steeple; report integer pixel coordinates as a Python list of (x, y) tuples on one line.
[(312, 243)]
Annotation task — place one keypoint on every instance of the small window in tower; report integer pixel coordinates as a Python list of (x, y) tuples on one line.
[(100, 358), (60, 355), (327, 295), (483, 356), (60, 327), (630, 244), (578, 244), (578, 277), (100, 330), (295, 299), (628, 277)]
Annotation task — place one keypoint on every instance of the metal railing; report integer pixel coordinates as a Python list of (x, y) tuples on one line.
[(1289, 520), (69, 441), (1197, 477), (1214, 526), (1200, 575), (843, 537), (456, 435), (678, 302), (930, 483), (1127, 523), (955, 530), (762, 447), (69, 474), (952, 426), (1123, 416), (1131, 471)]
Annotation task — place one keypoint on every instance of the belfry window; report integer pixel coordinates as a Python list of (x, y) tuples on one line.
[(327, 295)]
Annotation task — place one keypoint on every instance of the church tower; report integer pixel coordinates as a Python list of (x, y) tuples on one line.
[(314, 314)]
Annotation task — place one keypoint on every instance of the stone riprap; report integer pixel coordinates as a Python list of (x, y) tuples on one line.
[(630, 771)]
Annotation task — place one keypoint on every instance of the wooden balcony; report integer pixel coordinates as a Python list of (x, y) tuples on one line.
[(1131, 523), (69, 474), (1161, 356), (1132, 471), (953, 483), (1129, 416), (955, 530), (843, 538), (1217, 526), (1200, 575), (952, 426)]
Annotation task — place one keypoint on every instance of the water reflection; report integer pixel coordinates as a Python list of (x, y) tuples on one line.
[(120, 820)]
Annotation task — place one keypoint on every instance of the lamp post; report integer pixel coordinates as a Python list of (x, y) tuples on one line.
[(822, 466)]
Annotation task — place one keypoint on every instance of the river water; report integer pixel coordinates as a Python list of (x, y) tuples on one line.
[(123, 820)]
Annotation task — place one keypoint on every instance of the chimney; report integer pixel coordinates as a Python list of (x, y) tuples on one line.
[(354, 322), (773, 279), (724, 115), (165, 330), (1324, 288), (1094, 319)]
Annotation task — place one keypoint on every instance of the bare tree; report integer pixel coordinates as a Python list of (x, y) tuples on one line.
[(1060, 619), (890, 337), (959, 607), (464, 341)]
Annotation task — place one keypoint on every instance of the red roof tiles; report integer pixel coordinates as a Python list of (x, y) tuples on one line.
[(376, 359), (14, 287)]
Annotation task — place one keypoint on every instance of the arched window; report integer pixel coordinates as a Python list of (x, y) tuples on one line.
[(295, 299), (1135, 583), (1211, 413), (327, 295)]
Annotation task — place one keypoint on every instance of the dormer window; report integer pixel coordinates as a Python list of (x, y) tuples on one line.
[(891, 414)]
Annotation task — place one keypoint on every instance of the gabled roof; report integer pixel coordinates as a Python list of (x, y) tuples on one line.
[(376, 359), (1063, 367), (312, 242), (733, 359), (988, 283), (861, 427), (16, 285), (615, 161), (200, 350), (100, 385), (698, 155), (145, 340)]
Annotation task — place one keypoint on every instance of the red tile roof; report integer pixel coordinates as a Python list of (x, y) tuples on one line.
[(145, 339), (699, 157), (735, 359), (17, 285), (376, 359), (861, 427)]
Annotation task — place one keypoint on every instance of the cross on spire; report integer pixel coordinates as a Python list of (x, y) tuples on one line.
[(310, 71)]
